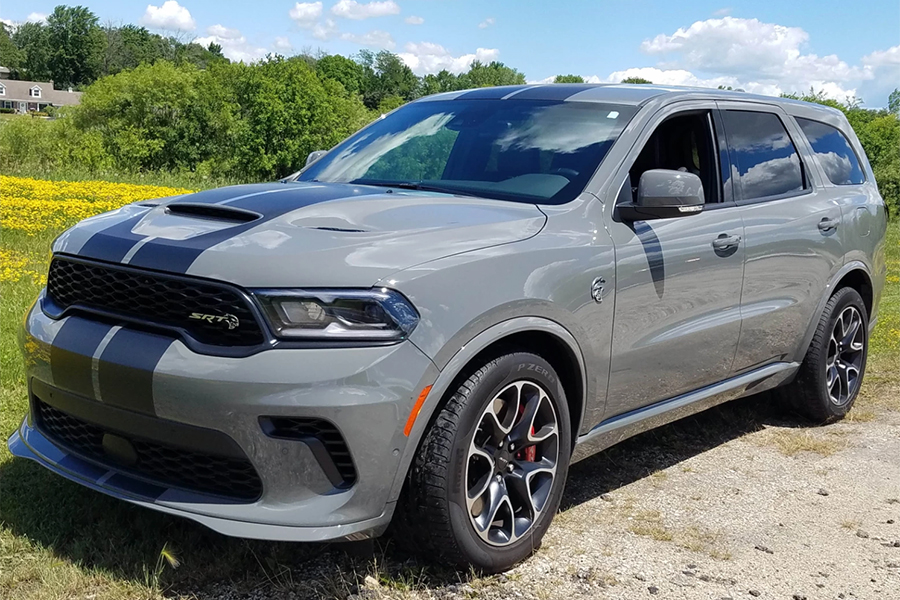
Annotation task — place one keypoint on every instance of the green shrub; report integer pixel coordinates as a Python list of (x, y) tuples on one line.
[(7, 111)]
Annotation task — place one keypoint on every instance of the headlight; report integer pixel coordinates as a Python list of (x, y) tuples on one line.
[(353, 315)]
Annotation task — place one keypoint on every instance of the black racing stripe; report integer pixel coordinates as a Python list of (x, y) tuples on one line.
[(126, 369), (176, 256), (553, 92), (114, 242), (72, 352), (492, 93), (217, 195)]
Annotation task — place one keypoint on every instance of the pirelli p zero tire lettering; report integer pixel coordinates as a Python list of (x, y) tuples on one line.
[(490, 472), (832, 371)]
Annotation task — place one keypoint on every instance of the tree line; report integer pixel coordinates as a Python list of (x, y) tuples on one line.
[(156, 104)]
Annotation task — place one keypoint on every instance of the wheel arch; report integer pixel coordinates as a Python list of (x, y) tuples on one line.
[(854, 274), (538, 335)]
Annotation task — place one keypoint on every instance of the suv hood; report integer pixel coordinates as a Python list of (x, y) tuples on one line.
[(298, 234)]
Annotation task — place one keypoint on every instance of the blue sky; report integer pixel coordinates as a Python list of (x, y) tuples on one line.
[(766, 47)]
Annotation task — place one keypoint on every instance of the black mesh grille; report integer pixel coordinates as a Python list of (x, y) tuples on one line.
[(167, 465), (299, 428), (156, 299)]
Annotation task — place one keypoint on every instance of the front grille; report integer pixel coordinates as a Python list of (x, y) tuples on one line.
[(161, 463), (156, 299), (300, 428)]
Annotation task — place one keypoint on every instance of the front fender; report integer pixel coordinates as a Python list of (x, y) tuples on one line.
[(465, 352)]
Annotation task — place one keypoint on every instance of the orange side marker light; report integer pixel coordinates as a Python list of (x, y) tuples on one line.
[(414, 413)]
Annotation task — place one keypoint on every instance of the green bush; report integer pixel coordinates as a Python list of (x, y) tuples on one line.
[(7, 111)]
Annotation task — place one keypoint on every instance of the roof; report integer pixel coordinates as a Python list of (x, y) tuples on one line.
[(17, 89), (615, 93)]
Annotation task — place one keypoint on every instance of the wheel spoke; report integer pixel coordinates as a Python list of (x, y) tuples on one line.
[(845, 383), (477, 489), (851, 331)]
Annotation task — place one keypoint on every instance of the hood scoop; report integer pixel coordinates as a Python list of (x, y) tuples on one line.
[(214, 212)]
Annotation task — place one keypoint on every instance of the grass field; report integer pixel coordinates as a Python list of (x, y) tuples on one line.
[(59, 540)]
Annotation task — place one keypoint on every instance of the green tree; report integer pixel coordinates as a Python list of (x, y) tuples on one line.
[(493, 74), (384, 74), (894, 101), (129, 46), (159, 116), (76, 46), (568, 79), (32, 39), (639, 80), (286, 112), (443, 81), (11, 56), (345, 71)]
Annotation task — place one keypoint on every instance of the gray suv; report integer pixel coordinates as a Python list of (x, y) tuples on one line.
[(428, 324)]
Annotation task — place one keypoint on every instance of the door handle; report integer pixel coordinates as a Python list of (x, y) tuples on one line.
[(827, 224), (726, 242)]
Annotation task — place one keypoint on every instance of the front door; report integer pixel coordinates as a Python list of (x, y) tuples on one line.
[(678, 286)]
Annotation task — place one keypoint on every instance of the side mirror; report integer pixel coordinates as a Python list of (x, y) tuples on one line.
[(314, 156), (664, 194)]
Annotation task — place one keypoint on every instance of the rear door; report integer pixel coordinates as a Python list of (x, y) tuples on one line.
[(791, 231), (678, 284)]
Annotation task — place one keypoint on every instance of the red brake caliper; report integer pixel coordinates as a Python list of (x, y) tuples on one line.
[(531, 451), (529, 454)]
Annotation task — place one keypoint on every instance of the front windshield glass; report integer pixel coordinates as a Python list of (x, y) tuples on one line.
[(522, 150)]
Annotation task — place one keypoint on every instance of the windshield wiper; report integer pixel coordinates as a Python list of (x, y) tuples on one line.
[(415, 185)]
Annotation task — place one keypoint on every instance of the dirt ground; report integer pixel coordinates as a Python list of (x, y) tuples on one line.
[(738, 502)]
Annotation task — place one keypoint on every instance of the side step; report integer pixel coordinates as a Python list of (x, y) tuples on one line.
[(623, 426)]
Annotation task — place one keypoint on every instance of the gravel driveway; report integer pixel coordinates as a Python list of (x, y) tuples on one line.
[(734, 503)]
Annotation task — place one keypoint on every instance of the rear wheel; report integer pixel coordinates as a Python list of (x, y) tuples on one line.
[(490, 472), (832, 371)]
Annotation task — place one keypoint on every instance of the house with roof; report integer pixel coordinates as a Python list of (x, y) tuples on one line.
[(34, 96)]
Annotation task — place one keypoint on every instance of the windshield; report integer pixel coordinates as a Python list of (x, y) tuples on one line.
[(522, 150)]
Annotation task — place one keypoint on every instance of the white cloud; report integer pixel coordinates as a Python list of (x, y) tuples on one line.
[(223, 32), (170, 15), (414, 20), (427, 57), (325, 30), (723, 12), (306, 13), (350, 9), (9, 23), (756, 56), (486, 23), (375, 39), (234, 45), (36, 17), (282, 44), (883, 58)]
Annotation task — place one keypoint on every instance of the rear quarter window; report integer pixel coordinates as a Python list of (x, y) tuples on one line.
[(833, 151), (764, 159)]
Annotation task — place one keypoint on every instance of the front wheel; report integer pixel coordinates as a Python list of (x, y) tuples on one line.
[(490, 472), (832, 371)]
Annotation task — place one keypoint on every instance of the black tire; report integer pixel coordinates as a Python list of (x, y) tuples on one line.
[(433, 518), (811, 392)]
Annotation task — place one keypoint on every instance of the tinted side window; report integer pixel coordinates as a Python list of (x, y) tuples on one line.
[(834, 152), (765, 161)]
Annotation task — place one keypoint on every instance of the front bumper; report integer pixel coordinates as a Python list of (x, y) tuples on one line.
[(366, 393)]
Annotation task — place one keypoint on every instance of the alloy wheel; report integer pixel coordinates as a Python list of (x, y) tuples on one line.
[(846, 351), (512, 463)]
